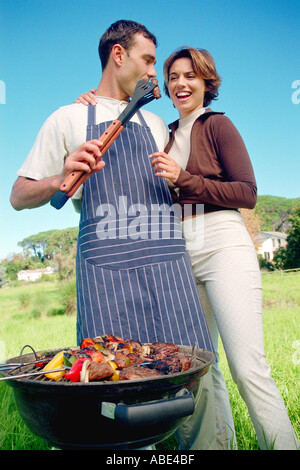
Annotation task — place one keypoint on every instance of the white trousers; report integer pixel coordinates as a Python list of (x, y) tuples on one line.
[(229, 283)]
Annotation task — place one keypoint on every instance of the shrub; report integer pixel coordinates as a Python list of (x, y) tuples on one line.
[(35, 313), (54, 311), (24, 299), (67, 296)]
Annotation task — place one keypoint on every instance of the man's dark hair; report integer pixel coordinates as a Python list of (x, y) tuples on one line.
[(121, 32)]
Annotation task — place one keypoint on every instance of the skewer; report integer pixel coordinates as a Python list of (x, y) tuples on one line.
[(21, 376), (193, 357), (16, 365)]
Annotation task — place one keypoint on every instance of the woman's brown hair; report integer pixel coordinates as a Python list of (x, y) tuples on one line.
[(203, 66)]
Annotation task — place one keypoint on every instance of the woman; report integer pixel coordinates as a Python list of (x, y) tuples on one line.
[(210, 176), (207, 164)]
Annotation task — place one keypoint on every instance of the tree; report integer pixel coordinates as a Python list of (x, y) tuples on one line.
[(66, 263), (36, 245), (293, 241), (275, 212), (16, 262), (60, 242), (289, 257), (45, 245), (279, 259), (2, 276)]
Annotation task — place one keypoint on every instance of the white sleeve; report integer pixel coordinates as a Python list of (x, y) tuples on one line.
[(48, 153)]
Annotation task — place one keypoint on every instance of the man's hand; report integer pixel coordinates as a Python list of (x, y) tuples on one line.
[(84, 159), (28, 193)]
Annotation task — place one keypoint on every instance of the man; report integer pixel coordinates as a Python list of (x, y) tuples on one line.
[(133, 280)]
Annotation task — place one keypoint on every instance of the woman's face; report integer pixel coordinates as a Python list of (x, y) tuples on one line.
[(185, 88)]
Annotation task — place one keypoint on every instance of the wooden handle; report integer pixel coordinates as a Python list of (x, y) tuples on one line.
[(85, 176), (74, 180)]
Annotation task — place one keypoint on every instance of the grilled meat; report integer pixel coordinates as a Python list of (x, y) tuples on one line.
[(133, 346), (160, 350), (99, 340), (120, 358), (111, 357), (133, 358), (100, 371), (166, 365), (90, 352), (136, 372), (124, 358), (184, 360), (170, 364)]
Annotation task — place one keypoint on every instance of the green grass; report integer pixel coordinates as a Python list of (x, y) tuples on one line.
[(24, 318), (281, 314), (19, 325)]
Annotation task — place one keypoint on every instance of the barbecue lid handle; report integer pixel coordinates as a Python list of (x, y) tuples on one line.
[(152, 412)]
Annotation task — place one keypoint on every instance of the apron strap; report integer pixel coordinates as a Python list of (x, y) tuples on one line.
[(141, 118), (91, 115)]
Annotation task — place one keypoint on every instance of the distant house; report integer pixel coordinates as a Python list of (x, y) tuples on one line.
[(268, 242), (34, 274)]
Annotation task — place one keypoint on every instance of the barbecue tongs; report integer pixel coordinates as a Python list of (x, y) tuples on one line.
[(143, 94)]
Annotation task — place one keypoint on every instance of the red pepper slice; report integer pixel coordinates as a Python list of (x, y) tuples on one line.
[(86, 342), (42, 363), (74, 373), (97, 356)]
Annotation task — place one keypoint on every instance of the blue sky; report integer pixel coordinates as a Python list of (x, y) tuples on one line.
[(48, 56)]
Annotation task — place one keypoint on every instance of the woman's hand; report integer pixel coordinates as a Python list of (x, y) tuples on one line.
[(87, 98), (164, 166)]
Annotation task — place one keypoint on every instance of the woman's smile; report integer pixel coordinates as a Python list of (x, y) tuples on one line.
[(183, 95)]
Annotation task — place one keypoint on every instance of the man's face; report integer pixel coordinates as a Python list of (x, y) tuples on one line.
[(138, 64)]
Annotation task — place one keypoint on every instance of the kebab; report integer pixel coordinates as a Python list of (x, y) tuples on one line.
[(110, 357)]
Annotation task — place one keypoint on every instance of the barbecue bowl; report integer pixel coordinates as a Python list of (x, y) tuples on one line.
[(129, 414)]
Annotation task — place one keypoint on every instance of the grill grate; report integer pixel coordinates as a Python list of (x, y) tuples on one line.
[(27, 366), (27, 369)]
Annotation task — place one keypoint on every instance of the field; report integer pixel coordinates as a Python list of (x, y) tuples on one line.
[(27, 316)]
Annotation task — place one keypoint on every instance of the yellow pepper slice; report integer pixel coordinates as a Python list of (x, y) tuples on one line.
[(115, 377), (128, 346), (56, 363), (112, 364)]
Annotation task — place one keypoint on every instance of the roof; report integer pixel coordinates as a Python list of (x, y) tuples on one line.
[(263, 235), (32, 271)]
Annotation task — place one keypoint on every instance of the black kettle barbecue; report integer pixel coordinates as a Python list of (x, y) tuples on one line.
[(129, 414)]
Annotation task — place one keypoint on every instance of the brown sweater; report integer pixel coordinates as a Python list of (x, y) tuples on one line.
[(219, 173)]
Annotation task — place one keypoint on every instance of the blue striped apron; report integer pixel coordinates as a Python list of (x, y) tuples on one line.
[(134, 277)]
